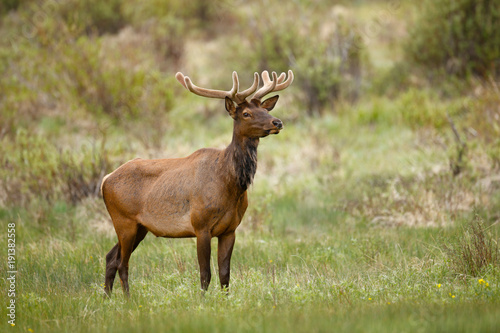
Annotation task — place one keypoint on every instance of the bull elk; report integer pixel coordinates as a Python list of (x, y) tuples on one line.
[(203, 195)]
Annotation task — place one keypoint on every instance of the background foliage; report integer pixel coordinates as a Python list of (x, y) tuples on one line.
[(376, 209), (457, 37)]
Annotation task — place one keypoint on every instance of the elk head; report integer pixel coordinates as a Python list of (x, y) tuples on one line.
[(251, 118)]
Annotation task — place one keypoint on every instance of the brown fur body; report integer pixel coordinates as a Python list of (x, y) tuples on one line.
[(163, 194)]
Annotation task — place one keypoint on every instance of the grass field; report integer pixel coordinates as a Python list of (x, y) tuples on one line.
[(341, 277), (355, 223), (307, 256)]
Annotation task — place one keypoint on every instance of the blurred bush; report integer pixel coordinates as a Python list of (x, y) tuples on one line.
[(415, 108), (56, 68), (195, 14), (483, 120), (475, 250), (8, 5), (323, 49), (458, 37), (93, 16), (33, 169)]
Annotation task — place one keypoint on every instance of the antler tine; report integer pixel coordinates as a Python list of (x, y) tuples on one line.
[(236, 86), (245, 93), (204, 92), (281, 78), (282, 85), (269, 85), (181, 78), (211, 93)]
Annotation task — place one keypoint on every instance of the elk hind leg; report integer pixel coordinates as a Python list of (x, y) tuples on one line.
[(112, 263), (130, 234), (141, 233)]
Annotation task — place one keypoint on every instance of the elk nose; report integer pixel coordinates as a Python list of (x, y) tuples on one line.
[(278, 123)]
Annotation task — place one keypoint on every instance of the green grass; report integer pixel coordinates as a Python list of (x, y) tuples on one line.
[(347, 277)]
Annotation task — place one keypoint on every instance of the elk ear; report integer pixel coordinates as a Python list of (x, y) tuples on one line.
[(230, 107), (269, 103)]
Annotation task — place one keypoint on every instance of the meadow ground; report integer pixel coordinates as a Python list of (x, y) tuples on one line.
[(367, 214), (314, 252)]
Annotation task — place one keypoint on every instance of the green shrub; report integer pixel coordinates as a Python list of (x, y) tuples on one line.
[(80, 75), (168, 40), (59, 71), (330, 70), (34, 169), (474, 251), (194, 14), (458, 37), (419, 108), (94, 16), (8, 5), (483, 120), (324, 51), (102, 87), (494, 153), (415, 108), (376, 110), (393, 80), (20, 97)]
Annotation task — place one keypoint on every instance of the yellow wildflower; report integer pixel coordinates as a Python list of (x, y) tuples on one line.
[(438, 285), (370, 299), (30, 330), (453, 296)]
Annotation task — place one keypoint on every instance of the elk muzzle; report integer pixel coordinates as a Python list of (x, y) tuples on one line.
[(277, 126), (278, 123)]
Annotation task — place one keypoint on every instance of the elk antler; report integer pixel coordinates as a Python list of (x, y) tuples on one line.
[(277, 84), (233, 94)]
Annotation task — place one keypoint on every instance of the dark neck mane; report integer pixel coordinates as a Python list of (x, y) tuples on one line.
[(242, 155)]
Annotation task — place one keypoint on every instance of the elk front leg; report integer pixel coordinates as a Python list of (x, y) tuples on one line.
[(203, 247), (224, 251)]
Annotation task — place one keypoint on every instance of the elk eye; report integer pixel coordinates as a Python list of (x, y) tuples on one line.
[(246, 114)]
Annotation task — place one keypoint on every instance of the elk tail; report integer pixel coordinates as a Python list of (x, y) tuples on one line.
[(103, 180)]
